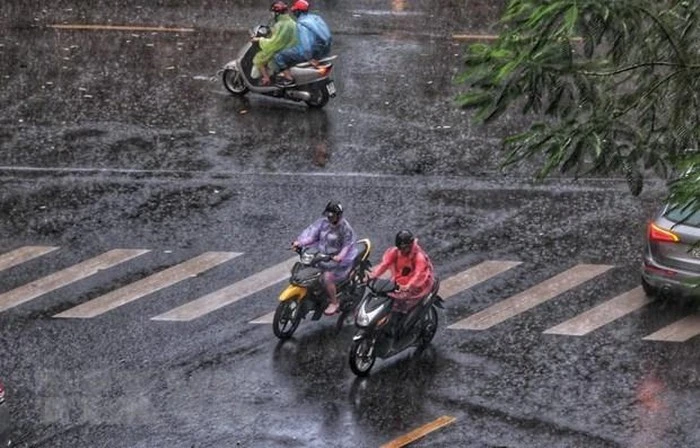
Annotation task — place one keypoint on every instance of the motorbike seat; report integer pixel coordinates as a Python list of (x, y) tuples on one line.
[(434, 290)]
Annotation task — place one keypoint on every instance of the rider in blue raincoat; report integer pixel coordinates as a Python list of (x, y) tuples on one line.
[(313, 41)]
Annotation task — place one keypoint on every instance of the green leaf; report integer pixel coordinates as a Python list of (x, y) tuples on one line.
[(474, 99), (570, 20)]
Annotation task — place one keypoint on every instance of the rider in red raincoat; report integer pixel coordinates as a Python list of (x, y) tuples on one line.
[(410, 268)]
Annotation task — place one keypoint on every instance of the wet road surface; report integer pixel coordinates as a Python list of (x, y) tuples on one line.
[(127, 140)]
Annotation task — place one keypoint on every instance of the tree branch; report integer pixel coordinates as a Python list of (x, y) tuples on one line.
[(658, 22), (647, 93)]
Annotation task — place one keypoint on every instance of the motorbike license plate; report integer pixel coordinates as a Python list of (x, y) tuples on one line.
[(331, 88)]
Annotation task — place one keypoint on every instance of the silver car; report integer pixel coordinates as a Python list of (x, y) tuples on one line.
[(4, 419), (671, 266)]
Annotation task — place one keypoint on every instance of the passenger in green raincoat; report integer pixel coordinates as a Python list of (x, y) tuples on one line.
[(283, 36)]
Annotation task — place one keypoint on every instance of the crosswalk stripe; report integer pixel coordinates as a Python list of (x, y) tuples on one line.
[(148, 285), (530, 298), (230, 294), (266, 319), (473, 276), (602, 314), (449, 287), (679, 331), (66, 276), (23, 254)]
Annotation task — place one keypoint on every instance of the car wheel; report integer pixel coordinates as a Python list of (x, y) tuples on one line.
[(649, 290)]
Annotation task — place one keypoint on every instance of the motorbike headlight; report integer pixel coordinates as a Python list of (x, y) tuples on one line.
[(307, 258), (363, 320)]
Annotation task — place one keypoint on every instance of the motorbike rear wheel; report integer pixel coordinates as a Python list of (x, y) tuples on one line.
[(287, 318), (344, 318), (319, 97), (361, 361), (430, 325), (233, 81)]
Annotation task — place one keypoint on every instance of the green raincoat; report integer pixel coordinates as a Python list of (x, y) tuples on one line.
[(284, 35)]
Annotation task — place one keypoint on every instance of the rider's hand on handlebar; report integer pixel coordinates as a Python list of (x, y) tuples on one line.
[(295, 245)]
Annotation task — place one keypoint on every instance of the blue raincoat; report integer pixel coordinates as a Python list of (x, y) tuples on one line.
[(313, 42)]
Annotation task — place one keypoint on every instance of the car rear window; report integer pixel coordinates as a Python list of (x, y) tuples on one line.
[(683, 216)]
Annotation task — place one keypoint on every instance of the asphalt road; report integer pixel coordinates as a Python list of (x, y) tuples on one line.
[(115, 140)]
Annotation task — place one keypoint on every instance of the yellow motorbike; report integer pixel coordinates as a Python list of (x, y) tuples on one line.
[(305, 294)]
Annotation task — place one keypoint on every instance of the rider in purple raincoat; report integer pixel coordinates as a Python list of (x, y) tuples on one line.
[(331, 235)]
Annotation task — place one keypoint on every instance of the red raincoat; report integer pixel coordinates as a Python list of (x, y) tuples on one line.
[(413, 271)]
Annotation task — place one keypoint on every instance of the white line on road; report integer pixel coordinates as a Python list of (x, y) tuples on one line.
[(67, 276), (266, 319), (473, 276), (679, 331), (148, 285), (23, 254), (230, 294), (530, 298), (602, 314)]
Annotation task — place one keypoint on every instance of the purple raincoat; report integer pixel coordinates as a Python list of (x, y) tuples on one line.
[(334, 240)]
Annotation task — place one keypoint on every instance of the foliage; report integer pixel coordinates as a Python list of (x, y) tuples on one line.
[(614, 87)]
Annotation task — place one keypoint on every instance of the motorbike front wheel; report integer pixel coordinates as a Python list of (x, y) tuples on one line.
[(233, 81), (287, 318), (362, 357), (319, 97)]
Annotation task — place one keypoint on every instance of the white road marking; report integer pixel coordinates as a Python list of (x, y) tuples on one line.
[(266, 319), (602, 314), (679, 331), (148, 285), (67, 276), (230, 294), (473, 276), (530, 298), (23, 254)]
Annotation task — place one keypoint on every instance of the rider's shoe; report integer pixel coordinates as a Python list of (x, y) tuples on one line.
[(331, 309)]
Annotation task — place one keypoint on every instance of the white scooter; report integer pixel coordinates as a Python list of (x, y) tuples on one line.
[(312, 84)]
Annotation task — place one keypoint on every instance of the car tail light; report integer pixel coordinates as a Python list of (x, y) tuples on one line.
[(657, 233)]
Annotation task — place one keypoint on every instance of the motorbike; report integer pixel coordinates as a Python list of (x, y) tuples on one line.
[(312, 84), (305, 294), (383, 333)]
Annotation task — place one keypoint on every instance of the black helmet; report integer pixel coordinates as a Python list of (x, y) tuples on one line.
[(333, 208), (404, 238), (279, 7)]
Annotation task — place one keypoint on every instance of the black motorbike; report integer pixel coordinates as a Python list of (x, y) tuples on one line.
[(305, 293), (383, 333)]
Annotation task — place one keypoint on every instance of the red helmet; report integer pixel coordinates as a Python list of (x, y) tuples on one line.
[(278, 7), (301, 6)]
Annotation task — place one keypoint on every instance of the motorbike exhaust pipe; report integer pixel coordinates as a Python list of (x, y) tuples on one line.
[(299, 95)]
